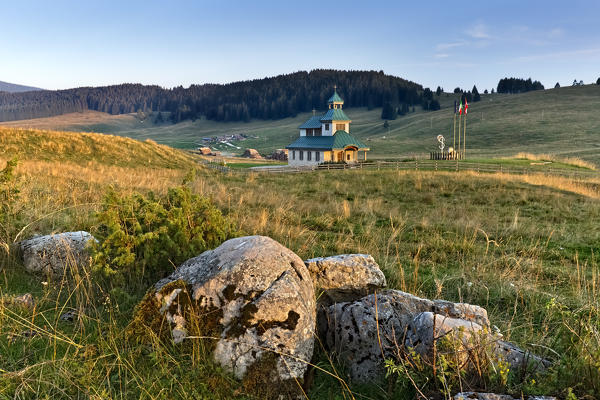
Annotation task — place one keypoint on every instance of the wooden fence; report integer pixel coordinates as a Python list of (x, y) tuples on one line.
[(444, 155), (416, 165)]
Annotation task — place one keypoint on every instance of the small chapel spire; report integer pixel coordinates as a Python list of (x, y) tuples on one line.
[(335, 101)]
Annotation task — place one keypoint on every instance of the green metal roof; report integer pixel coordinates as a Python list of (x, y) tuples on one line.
[(312, 142), (340, 140), (335, 114), (343, 139), (335, 98), (313, 122)]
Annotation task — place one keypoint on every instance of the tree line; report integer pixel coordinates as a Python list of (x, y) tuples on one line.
[(517, 85), (269, 98)]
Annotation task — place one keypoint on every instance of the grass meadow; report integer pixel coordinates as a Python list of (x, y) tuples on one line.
[(525, 247)]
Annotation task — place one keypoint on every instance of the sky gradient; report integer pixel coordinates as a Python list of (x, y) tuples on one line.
[(63, 44)]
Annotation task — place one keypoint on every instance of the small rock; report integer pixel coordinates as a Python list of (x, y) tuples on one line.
[(54, 254), (28, 334), (69, 316), (522, 360), (25, 301)]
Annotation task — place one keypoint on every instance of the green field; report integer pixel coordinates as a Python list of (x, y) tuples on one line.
[(564, 122), (525, 247)]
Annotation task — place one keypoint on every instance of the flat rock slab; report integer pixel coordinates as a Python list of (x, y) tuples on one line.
[(347, 276), (255, 296), (55, 254)]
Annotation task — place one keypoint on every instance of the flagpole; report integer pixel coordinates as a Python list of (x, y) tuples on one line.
[(454, 131), (459, 118), (465, 138)]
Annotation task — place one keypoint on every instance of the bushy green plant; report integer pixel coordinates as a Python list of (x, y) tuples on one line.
[(143, 238)]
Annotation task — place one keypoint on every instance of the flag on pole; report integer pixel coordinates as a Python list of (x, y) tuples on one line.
[(460, 108), (466, 106)]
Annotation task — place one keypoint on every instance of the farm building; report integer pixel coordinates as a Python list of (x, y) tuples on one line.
[(326, 138)]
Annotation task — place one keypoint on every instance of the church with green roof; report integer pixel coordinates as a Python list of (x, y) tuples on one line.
[(326, 138)]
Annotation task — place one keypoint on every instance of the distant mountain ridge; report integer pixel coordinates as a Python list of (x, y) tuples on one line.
[(14, 88), (270, 98)]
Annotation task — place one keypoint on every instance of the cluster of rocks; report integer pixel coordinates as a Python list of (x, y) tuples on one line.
[(254, 301)]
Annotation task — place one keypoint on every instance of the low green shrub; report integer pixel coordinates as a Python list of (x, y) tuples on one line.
[(142, 238)]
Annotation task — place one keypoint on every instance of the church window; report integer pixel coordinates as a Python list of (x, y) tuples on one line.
[(348, 157), (301, 155), (326, 127), (293, 154), (317, 156), (340, 127), (308, 155)]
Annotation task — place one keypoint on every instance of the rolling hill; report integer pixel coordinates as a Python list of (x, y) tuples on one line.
[(14, 88), (562, 122)]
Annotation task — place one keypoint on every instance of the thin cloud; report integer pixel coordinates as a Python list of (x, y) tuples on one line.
[(446, 46), (441, 55), (556, 32), (479, 31)]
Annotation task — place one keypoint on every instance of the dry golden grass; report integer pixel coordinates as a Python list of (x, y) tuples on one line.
[(575, 161), (32, 144)]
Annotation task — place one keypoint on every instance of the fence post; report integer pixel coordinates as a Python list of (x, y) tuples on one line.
[(416, 165), (436, 165)]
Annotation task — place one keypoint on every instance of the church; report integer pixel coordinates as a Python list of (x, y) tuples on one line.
[(326, 138)]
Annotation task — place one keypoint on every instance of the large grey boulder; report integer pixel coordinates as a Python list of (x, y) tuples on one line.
[(367, 331), (55, 254), (347, 276), (255, 297)]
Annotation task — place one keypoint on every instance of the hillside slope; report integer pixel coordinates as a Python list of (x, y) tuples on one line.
[(561, 121), (14, 88), (84, 148)]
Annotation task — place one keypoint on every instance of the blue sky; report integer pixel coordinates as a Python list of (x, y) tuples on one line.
[(62, 44)]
